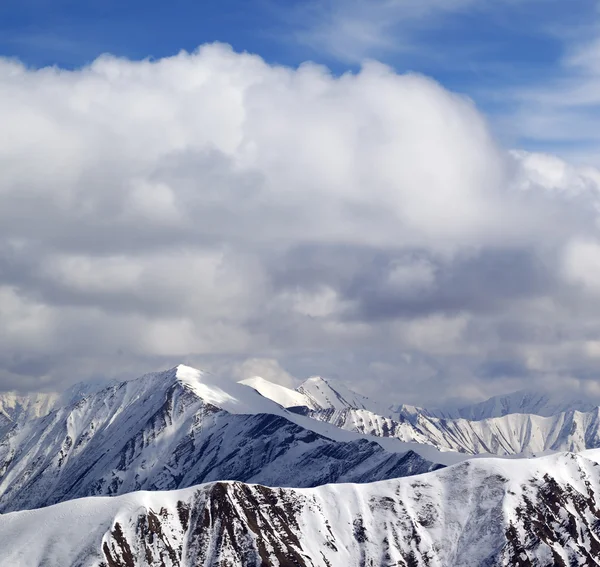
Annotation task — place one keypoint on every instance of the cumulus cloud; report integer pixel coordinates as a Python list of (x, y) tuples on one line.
[(212, 208)]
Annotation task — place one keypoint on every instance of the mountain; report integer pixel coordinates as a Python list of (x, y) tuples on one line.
[(19, 407), (523, 401), (176, 429), (525, 434), (513, 434), (487, 512), (330, 394), (15, 406)]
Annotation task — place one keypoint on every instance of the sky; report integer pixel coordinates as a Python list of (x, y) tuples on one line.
[(400, 195)]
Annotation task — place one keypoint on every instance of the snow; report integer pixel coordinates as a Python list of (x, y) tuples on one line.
[(15, 406), (509, 435), (144, 433), (225, 394), (143, 427), (285, 397), (179, 427), (331, 394), (455, 516)]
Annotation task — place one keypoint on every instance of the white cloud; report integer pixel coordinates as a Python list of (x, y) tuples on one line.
[(582, 264), (213, 205)]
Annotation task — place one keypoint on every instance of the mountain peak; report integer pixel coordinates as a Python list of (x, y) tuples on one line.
[(316, 380), (188, 374), (330, 394), (321, 382)]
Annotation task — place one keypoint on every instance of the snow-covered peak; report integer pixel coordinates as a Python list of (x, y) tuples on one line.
[(217, 391), (331, 394), (285, 397)]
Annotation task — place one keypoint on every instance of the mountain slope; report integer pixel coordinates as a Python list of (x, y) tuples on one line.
[(328, 394), (20, 407), (285, 397), (490, 512), (176, 429), (524, 434), (513, 434)]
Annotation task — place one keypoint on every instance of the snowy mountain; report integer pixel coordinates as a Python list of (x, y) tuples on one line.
[(330, 394), (524, 434), (513, 434), (14, 407), (19, 407), (523, 401), (487, 512), (176, 429)]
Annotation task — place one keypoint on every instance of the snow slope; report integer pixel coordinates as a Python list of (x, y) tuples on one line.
[(327, 394), (487, 512), (285, 397), (179, 428)]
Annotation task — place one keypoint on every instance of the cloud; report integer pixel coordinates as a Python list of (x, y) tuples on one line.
[(355, 30), (211, 208), (559, 107)]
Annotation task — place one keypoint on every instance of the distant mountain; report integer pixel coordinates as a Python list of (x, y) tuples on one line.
[(523, 401), (18, 407), (175, 429), (331, 394), (15, 406), (487, 512), (512, 434)]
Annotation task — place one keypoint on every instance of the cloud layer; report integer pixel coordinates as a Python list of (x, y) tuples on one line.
[(214, 209)]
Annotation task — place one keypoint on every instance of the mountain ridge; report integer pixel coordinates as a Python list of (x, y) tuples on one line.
[(537, 512), (525, 434), (171, 429)]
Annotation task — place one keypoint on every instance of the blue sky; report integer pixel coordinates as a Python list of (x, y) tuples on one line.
[(493, 51)]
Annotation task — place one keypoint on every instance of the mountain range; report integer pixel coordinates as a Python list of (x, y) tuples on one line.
[(175, 429), (522, 423), (486, 512), (201, 470)]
